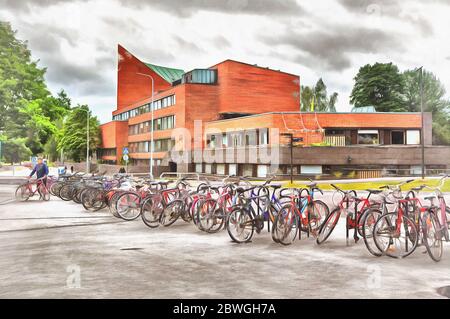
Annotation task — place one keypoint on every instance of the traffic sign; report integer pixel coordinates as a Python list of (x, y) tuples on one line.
[(125, 151), (126, 158)]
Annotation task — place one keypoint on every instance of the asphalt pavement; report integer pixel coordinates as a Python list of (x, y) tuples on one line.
[(57, 250)]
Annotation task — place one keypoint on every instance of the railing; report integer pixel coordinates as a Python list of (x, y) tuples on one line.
[(335, 140), (179, 175)]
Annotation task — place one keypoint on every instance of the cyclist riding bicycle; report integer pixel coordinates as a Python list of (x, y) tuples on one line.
[(41, 171)]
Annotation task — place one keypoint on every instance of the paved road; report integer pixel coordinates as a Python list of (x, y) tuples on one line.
[(57, 250)]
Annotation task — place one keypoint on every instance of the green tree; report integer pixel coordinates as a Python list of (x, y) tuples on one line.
[(434, 101), (27, 109), (318, 94), (332, 102), (20, 77), (73, 137), (14, 150), (381, 85)]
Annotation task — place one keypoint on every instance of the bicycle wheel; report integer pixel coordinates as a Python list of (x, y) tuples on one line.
[(285, 226), (205, 215), (328, 225), (43, 192), (239, 225), (113, 203), (151, 210), (317, 212), (186, 214), (54, 189), (368, 220), (394, 237), (93, 200), (128, 206), (432, 235), (22, 193), (171, 212), (65, 193)]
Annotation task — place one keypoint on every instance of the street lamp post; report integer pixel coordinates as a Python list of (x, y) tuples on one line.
[(291, 147), (422, 135), (87, 138), (151, 134)]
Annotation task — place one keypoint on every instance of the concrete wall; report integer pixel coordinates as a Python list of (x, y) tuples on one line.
[(360, 155)]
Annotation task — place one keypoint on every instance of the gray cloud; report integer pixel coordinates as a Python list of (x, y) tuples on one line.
[(332, 48), (28, 5), (393, 9), (221, 42), (188, 46), (185, 8)]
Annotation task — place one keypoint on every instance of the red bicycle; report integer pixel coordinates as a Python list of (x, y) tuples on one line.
[(354, 208), (30, 188)]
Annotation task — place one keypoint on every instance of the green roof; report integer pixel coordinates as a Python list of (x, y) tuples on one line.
[(364, 109), (168, 74)]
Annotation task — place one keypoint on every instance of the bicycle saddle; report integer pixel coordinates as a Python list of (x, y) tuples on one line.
[(430, 197), (275, 186), (311, 185), (418, 188)]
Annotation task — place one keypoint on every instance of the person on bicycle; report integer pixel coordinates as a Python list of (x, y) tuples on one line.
[(41, 171)]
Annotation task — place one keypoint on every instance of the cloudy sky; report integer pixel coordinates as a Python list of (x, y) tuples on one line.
[(77, 40)]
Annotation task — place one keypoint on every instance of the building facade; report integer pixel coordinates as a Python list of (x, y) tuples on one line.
[(238, 118)]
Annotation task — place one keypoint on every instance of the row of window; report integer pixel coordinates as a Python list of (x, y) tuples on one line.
[(159, 124), (200, 76), (373, 137), (248, 169), (252, 137), (162, 145), (159, 104)]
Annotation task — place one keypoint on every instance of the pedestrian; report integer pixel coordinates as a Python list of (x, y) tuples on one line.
[(41, 171), (71, 169), (122, 170)]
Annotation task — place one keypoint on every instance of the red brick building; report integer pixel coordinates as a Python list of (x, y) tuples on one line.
[(234, 106)]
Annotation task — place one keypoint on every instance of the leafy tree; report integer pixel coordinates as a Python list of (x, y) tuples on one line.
[(73, 138), (381, 85), (20, 78), (318, 95), (332, 102), (434, 101), (15, 150), (27, 109)]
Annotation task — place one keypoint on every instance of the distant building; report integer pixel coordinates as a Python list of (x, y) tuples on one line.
[(249, 109)]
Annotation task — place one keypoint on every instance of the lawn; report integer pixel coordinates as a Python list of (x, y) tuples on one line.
[(375, 185)]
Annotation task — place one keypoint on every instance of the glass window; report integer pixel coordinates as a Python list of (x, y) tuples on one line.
[(224, 140), (397, 137), (262, 171), (264, 136), (368, 137), (311, 169), (198, 168), (232, 169), (413, 137), (220, 169)]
